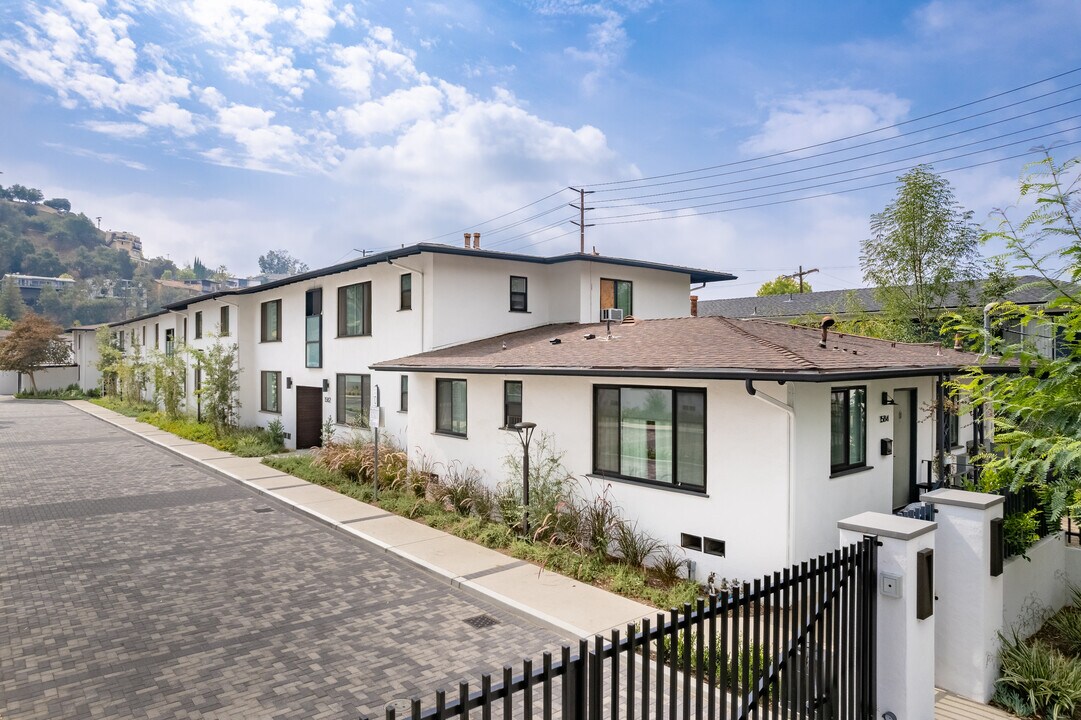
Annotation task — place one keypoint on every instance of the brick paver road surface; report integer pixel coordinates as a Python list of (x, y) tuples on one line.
[(134, 584)]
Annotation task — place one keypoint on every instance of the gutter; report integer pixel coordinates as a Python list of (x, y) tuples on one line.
[(790, 413)]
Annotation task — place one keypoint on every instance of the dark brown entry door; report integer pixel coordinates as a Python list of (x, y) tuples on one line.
[(309, 416)]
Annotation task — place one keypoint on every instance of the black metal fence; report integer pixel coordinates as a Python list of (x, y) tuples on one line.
[(1019, 502), (797, 644), (918, 511)]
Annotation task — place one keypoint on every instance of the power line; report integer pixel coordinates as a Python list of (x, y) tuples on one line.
[(497, 217), (841, 139)]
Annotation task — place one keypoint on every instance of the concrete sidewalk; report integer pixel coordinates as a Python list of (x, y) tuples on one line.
[(551, 599)]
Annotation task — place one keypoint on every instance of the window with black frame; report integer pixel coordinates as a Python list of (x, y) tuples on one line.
[(270, 321), (848, 428), (512, 403), (270, 395), (451, 413), (223, 326), (651, 434), (198, 324), (313, 328), (405, 294), (519, 294), (403, 394), (355, 310), (354, 398)]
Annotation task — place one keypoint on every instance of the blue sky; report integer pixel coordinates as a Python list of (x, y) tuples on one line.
[(224, 128)]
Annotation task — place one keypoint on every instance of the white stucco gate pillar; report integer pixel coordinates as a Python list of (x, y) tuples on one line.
[(906, 621), (970, 589)]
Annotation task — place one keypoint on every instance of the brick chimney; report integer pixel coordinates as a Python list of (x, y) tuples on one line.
[(476, 241), (466, 241), (694, 306)]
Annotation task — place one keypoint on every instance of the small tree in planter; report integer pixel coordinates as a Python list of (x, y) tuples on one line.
[(109, 358), (133, 373), (170, 371), (221, 384)]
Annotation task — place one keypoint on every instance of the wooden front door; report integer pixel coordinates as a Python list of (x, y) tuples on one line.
[(309, 417)]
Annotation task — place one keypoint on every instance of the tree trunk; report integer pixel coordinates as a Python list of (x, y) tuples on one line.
[(33, 383)]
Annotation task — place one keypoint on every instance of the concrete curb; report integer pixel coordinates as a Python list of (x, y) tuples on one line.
[(460, 582)]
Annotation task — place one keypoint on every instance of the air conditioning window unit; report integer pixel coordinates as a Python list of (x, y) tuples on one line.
[(613, 314)]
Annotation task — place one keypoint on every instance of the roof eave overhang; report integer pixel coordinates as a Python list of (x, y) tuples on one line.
[(702, 373)]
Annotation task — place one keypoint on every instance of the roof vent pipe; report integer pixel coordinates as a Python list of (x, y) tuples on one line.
[(476, 241), (827, 323), (466, 241)]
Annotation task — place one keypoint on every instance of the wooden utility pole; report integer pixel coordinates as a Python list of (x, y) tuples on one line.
[(581, 223), (800, 275)]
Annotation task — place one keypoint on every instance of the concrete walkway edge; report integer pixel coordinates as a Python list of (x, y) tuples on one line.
[(549, 599)]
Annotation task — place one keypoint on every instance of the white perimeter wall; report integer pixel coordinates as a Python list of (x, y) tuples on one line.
[(85, 353), (1035, 588), (53, 378)]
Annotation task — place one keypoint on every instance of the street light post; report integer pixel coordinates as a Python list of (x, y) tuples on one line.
[(525, 434)]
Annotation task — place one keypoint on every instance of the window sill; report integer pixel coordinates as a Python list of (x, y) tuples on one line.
[(343, 337), (408, 309), (523, 312), (402, 412), (459, 436), (263, 342), (270, 412), (851, 471), (666, 487)]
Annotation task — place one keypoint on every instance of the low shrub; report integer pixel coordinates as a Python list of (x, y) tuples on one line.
[(1049, 681), (635, 547), (71, 392), (124, 407), (669, 564)]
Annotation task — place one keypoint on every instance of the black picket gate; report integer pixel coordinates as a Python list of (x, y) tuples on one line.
[(798, 644)]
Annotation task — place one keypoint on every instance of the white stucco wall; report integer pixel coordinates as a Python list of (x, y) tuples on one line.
[(85, 355), (1034, 588)]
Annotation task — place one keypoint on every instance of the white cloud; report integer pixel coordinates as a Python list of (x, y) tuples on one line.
[(820, 116), (391, 112), (263, 142), (116, 129), (106, 157), (170, 115)]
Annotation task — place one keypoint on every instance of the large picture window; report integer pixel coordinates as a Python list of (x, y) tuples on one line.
[(313, 328), (651, 434), (848, 428), (355, 310), (270, 397), (271, 321), (354, 397), (450, 407)]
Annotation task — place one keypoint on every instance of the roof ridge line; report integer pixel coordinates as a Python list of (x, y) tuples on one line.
[(770, 344)]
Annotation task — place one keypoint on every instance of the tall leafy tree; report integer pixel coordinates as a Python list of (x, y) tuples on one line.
[(1037, 411), (280, 262), (11, 299), (59, 204), (923, 245), (782, 285), (34, 343)]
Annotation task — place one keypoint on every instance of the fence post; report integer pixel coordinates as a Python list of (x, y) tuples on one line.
[(970, 586), (905, 653)]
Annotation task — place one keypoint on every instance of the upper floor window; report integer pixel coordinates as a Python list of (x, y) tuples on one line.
[(270, 395), (270, 321), (405, 293), (354, 397), (185, 335), (170, 341), (313, 328), (403, 394), (143, 334), (198, 324), (157, 336), (651, 434), (519, 294), (512, 403), (451, 414), (848, 428), (355, 310), (224, 325), (617, 294)]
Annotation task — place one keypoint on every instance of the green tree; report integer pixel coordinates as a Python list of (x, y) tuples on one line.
[(59, 204), (170, 370), (34, 343), (52, 306), (6, 323), (221, 383), (82, 230), (1037, 410), (922, 245), (110, 356), (44, 262), (280, 262), (11, 299), (782, 285)]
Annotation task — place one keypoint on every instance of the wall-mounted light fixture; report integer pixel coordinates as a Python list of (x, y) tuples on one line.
[(887, 400), (288, 383), (326, 385)]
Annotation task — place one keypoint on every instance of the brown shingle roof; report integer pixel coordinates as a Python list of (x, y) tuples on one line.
[(693, 346)]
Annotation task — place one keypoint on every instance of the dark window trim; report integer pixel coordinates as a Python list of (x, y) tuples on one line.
[(615, 291), (506, 415), (405, 301), (198, 324), (675, 484), (263, 321), (403, 393), (524, 294), (223, 321), (319, 342), (843, 468), (262, 391), (366, 324), (851, 471), (440, 431), (365, 398)]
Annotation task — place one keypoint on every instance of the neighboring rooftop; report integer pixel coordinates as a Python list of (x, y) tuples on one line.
[(1030, 290), (699, 347), (697, 275)]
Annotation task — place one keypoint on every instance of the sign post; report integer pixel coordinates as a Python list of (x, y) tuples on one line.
[(373, 423)]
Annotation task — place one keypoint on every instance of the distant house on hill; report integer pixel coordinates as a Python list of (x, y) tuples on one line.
[(30, 286), (128, 242)]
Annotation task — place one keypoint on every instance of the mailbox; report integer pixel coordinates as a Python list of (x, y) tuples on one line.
[(998, 549), (887, 446)]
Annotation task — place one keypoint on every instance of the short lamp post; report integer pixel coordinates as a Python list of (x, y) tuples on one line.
[(525, 434)]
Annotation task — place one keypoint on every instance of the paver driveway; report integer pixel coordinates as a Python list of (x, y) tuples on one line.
[(136, 585)]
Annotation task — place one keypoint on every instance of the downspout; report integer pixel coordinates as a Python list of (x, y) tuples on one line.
[(395, 263), (791, 413)]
